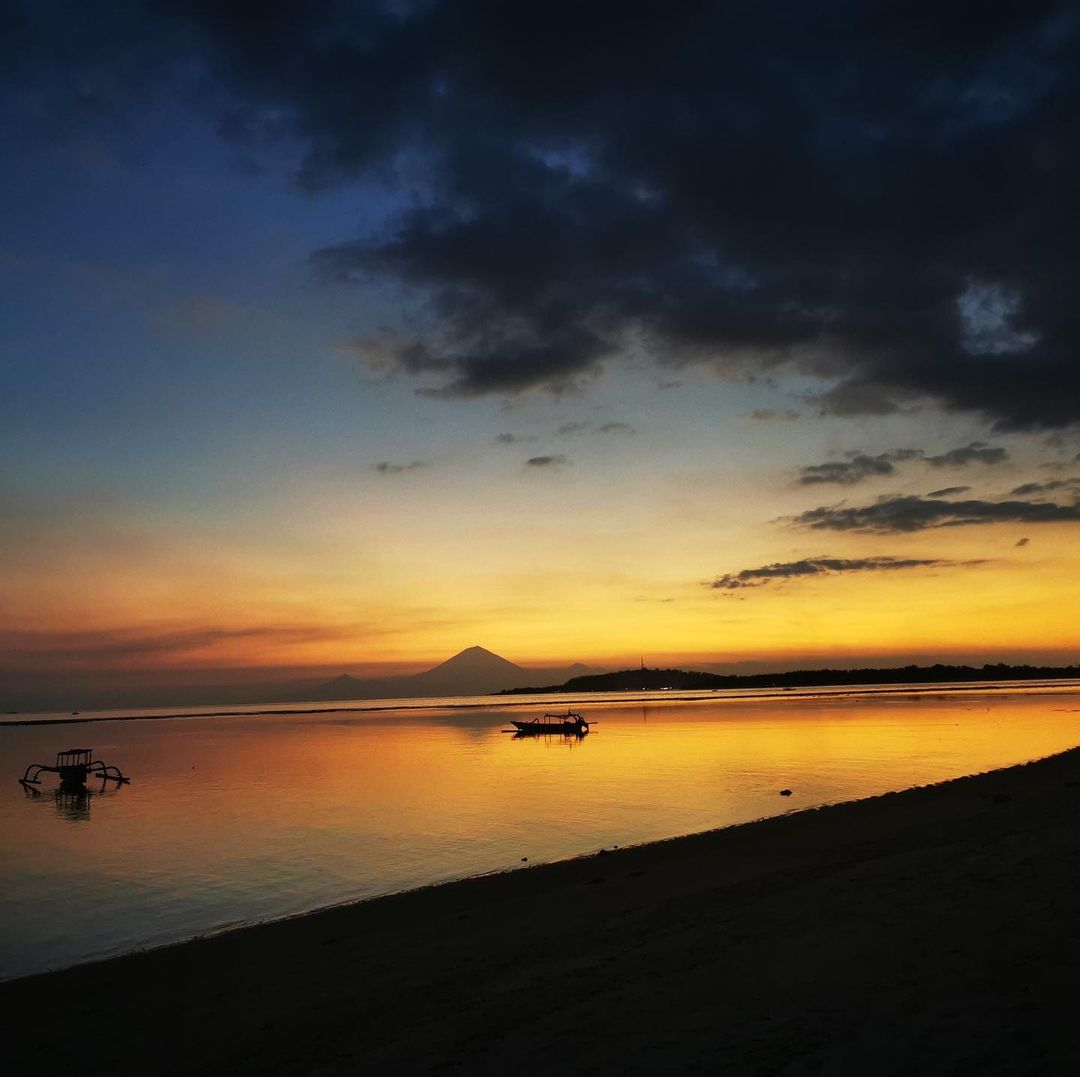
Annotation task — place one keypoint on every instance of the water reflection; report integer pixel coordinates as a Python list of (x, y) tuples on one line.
[(252, 817), (73, 804), (70, 801)]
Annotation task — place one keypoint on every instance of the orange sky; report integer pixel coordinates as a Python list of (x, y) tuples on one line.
[(601, 560)]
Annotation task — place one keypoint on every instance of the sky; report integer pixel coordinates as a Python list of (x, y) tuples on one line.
[(345, 336)]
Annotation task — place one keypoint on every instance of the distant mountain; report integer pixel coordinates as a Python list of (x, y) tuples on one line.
[(579, 669), (471, 672)]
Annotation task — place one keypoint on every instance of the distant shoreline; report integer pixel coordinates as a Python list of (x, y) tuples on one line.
[(503, 699), (645, 679)]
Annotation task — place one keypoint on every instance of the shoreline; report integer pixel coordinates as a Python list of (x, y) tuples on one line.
[(721, 695), (951, 907)]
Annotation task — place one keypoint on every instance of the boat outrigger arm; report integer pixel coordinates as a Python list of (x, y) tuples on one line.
[(74, 766)]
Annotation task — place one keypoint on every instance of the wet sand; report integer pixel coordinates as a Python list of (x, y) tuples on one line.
[(931, 931)]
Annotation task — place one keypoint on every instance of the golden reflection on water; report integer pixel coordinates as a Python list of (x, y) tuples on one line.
[(230, 820)]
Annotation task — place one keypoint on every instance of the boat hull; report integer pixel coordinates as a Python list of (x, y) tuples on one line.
[(537, 727)]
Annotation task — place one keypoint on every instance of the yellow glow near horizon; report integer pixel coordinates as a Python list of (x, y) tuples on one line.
[(539, 573), (412, 610)]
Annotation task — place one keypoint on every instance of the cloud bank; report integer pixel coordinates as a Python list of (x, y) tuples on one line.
[(978, 452), (879, 197), (860, 466), (892, 515)]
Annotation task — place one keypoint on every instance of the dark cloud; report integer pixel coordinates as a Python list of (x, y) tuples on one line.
[(1028, 488), (768, 415), (557, 460), (881, 196), (573, 428), (818, 566), (890, 515), (859, 395), (949, 491), (385, 467), (857, 467), (978, 452), (507, 439)]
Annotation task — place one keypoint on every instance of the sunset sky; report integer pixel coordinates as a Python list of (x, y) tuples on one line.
[(345, 336)]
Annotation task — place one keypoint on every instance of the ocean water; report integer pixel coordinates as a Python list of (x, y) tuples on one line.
[(240, 818)]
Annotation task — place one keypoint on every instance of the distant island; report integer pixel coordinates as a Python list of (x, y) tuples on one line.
[(656, 680)]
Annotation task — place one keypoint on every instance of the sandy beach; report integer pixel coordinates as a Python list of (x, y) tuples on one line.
[(931, 931)]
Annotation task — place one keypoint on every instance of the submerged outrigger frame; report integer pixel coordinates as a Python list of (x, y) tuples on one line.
[(74, 766)]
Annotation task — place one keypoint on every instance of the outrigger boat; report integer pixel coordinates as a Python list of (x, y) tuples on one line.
[(571, 723), (74, 766)]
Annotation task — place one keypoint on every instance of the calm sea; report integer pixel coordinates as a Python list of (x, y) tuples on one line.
[(236, 818)]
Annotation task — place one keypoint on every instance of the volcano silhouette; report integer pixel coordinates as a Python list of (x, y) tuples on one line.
[(471, 672)]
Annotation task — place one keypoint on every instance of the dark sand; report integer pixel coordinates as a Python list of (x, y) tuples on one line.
[(933, 931)]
